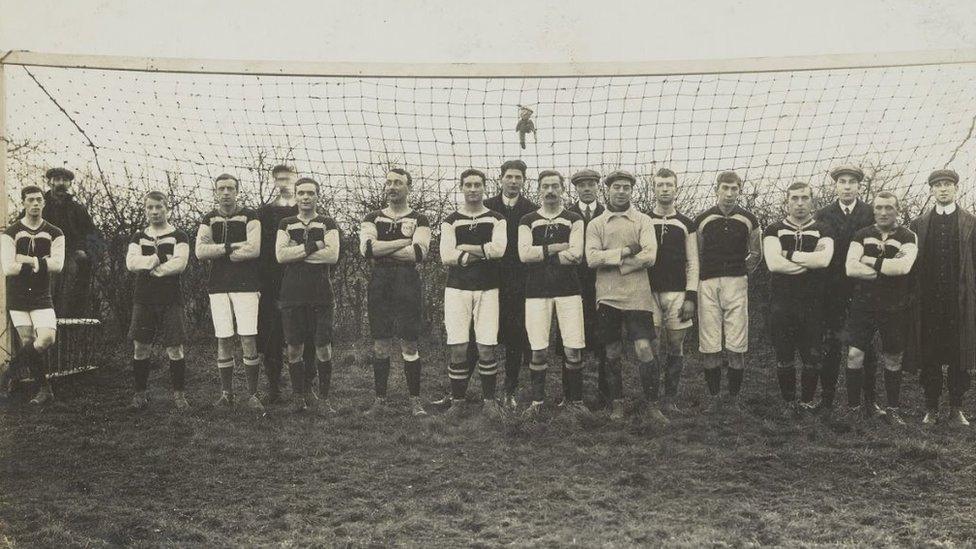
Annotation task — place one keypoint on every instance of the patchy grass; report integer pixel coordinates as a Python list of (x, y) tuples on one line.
[(88, 472)]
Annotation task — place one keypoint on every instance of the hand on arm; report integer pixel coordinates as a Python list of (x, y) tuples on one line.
[(855, 267), (175, 264), (328, 249), (251, 248), (902, 263), (286, 251), (775, 260), (819, 258)]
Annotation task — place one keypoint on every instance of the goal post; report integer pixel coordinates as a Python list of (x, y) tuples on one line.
[(126, 125)]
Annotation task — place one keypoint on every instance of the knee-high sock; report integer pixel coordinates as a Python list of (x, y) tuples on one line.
[(573, 381), (140, 371), (615, 383), (537, 372), (252, 369), (28, 356), (672, 375), (177, 374), (786, 376), (381, 376), (310, 359), (411, 369), (809, 376), (324, 368), (735, 380), (855, 382), (488, 371), (713, 380), (226, 369), (650, 376), (296, 371), (459, 374)]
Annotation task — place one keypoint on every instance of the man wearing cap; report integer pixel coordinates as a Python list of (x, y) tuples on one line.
[(729, 244), (846, 215), (943, 318), (620, 245), (586, 182), (72, 286), (513, 206)]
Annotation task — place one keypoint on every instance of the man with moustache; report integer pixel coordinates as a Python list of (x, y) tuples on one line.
[(71, 288), (846, 215), (513, 206), (586, 183), (943, 328), (395, 240)]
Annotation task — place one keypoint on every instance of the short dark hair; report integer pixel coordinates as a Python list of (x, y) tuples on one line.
[(665, 172), (797, 185), (156, 195), (227, 176), (404, 173), (549, 173), (306, 181), (728, 177), (473, 171), (30, 189), (282, 168), (513, 165), (888, 194)]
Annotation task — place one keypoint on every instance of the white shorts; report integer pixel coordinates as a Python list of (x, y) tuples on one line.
[(38, 318), (241, 307), (723, 307), (666, 307), (569, 314), (461, 307)]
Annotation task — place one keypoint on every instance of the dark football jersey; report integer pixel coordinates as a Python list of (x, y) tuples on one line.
[(380, 225), (669, 272), (547, 278), (724, 241), (158, 289), (477, 231), (798, 238), (884, 292), (306, 281), (226, 275), (27, 290)]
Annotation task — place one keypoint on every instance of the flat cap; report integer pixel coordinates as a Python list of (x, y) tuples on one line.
[(63, 173), (619, 174), (584, 175), (847, 169), (943, 175)]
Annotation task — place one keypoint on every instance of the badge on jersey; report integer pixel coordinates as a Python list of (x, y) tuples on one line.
[(407, 226)]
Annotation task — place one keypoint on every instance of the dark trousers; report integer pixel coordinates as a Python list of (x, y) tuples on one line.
[(940, 346), (71, 288)]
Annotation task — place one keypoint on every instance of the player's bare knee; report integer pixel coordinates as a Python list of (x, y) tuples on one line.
[(643, 350), (295, 352), (711, 360), (408, 348), (249, 345), (573, 355), (381, 348), (323, 353), (675, 343), (540, 357), (141, 351), (486, 353), (44, 340), (737, 361), (459, 353), (892, 361), (175, 352), (855, 358)]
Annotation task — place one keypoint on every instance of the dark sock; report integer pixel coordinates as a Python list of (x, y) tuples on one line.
[(325, 376), (809, 376), (296, 372), (672, 375), (615, 383), (892, 381), (713, 380), (177, 374), (735, 380), (140, 371), (226, 369), (572, 381), (855, 380), (786, 376), (459, 374), (381, 376), (411, 369), (252, 371), (29, 357), (309, 369), (650, 376), (537, 373), (513, 365), (488, 373)]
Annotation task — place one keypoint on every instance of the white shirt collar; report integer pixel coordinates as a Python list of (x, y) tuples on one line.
[(583, 206), (945, 210), (847, 208), (510, 202)]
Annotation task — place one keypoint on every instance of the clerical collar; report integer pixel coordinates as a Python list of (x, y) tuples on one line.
[(510, 202), (945, 210)]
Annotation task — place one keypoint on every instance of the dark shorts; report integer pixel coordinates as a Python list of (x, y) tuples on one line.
[(299, 322), (161, 323), (638, 324), (864, 321), (796, 326), (394, 302)]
